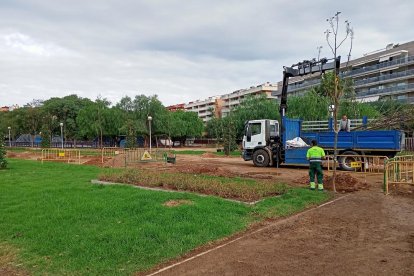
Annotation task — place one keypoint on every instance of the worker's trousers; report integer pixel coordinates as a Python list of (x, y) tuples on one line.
[(316, 168)]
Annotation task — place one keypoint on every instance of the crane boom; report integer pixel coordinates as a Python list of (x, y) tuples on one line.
[(303, 68)]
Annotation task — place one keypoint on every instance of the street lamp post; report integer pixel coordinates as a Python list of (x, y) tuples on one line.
[(149, 124), (331, 109), (9, 128), (61, 132)]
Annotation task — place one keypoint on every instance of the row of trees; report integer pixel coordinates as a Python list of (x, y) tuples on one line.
[(84, 119)]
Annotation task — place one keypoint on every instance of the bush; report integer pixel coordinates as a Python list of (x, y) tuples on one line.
[(3, 161)]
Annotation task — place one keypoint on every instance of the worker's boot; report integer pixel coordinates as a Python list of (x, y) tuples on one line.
[(312, 186), (320, 187)]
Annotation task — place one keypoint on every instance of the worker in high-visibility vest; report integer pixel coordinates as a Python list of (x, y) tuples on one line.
[(315, 155)]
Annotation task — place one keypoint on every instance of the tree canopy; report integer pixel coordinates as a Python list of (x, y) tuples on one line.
[(84, 119)]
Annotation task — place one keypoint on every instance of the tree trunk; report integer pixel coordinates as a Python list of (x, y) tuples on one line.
[(336, 103), (101, 138), (335, 154)]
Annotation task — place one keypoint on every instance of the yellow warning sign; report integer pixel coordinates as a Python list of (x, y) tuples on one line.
[(116, 152), (356, 164), (146, 156), (61, 154)]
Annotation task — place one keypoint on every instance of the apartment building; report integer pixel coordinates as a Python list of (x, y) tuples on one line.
[(206, 109), (220, 106), (386, 73), (176, 107), (232, 100), (4, 109)]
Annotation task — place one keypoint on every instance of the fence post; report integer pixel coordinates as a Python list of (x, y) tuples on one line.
[(330, 122), (364, 121), (125, 158), (385, 177)]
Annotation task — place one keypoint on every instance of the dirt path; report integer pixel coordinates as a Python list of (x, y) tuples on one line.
[(365, 233)]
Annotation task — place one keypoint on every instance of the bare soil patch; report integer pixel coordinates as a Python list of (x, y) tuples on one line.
[(178, 202), (8, 264), (208, 155), (405, 190)]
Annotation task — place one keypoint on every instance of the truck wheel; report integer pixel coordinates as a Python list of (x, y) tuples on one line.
[(345, 161), (261, 158)]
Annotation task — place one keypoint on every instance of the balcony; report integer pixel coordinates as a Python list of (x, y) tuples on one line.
[(387, 90), (372, 68), (369, 69), (305, 84), (384, 78)]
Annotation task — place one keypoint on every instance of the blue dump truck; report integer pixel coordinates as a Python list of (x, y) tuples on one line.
[(267, 145), (266, 142)]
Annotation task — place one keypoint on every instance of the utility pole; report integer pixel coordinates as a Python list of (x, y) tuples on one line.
[(61, 133), (149, 125), (9, 128)]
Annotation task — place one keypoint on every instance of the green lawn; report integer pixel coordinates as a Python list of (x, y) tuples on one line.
[(59, 223)]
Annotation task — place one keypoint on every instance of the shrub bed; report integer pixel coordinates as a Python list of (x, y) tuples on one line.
[(233, 188)]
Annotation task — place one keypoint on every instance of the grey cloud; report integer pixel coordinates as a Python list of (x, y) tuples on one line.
[(180, 50)]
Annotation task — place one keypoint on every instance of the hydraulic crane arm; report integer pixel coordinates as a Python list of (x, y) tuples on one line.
[(301, 69)]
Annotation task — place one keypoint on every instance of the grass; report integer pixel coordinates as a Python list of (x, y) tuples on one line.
[(19, 149), (58, 223)]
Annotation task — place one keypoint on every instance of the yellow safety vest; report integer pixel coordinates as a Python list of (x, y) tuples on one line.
[(315, 154)]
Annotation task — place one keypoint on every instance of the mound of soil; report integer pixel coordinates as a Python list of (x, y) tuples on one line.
[(208, 155), (198, 169), (344, 183), (96, 160)]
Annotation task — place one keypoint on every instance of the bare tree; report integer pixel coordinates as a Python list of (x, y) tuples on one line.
[(334, 43)]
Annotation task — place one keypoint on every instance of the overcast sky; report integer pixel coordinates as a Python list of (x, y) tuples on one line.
[(179, 50)]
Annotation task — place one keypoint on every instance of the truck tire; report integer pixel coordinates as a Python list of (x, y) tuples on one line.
[(261, 158), (345, 161)]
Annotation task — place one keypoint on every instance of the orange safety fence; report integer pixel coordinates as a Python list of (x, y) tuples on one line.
[(358, 163), (399, 170), (64, 155)]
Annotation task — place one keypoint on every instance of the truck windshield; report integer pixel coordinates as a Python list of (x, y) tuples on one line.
[(256, 128)]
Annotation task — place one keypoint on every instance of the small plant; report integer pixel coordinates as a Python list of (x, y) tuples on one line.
[(3, 161)]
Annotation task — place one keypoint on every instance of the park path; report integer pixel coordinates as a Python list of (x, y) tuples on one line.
[(365, 233)]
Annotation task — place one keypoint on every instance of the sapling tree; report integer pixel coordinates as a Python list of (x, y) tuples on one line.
[(337, 91)]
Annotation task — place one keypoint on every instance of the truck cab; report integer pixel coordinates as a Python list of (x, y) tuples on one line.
[(258, 139)]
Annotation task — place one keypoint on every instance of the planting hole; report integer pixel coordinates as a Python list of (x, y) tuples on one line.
[(178, 202)]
